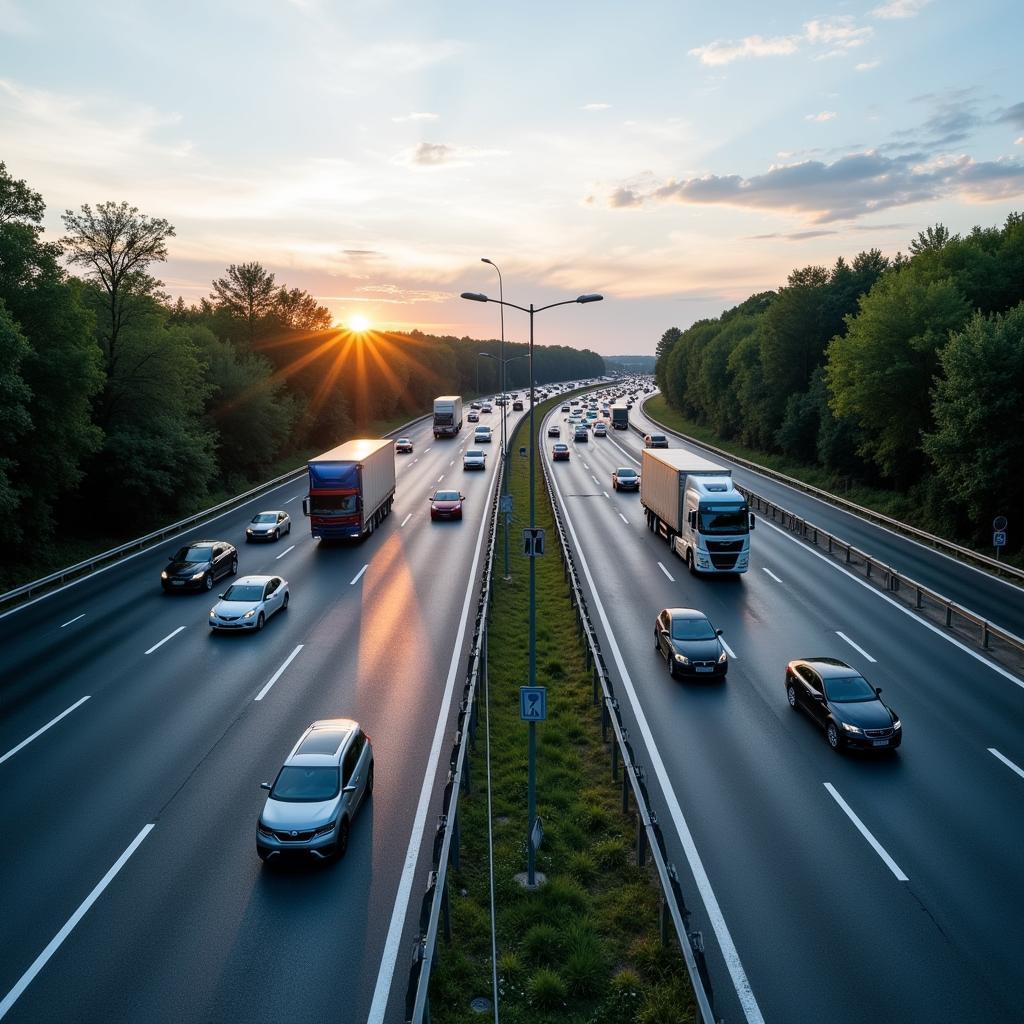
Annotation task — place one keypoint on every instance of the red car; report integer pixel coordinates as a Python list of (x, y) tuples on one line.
[(446, 505), (560, 453)]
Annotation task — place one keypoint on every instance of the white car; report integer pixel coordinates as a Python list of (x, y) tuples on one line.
[(474, 459), (249, 602), (473, 416), (268, 526), (482, 435)]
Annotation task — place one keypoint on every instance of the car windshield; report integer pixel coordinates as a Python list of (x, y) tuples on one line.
[(265, 517), (402, 440), (849, 689), (244, 592), (692, 629), (306, 784), (333, 504), (658, 437), (561, 448), (194, 555), (446, 496), (474, 454), (625, 472), (724, 519)]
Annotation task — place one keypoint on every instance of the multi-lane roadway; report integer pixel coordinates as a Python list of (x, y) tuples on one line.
[(827, 887)]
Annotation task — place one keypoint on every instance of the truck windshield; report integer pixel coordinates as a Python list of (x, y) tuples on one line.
[(333, 504), (724, 519)]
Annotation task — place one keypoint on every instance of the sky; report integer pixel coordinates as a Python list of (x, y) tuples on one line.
[(675, 157)]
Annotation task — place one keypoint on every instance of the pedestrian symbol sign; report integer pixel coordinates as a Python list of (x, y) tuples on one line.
[(533, 703)]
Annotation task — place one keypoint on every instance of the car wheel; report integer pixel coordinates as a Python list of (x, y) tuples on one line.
[(342, 844), (791, 696), (289, 530), (284, 603), (234, 566), (260, 622), (208, 581), (832, 735), (369, 781), (657, 642), (277, 535)]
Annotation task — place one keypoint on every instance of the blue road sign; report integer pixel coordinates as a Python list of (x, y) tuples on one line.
[(999, 538), (533, 703)]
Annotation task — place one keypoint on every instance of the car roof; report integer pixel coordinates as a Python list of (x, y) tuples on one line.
[(561, 447), (270, 512), (196, 543), (475, 451), (829, 668), (252, 580), (686, 613), (625, 469), (323, 742)]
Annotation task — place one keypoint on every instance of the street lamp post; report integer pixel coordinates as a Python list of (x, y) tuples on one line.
[(504, 411), (532, 741)]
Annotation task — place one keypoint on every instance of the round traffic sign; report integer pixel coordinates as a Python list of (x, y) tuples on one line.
[(1000, 523)]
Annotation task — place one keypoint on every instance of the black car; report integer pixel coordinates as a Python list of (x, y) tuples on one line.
[(199, 564), (843, 703), (655, 441), (691, 644)]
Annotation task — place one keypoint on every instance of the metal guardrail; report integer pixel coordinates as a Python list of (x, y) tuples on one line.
[(939, 543), (648, 832), (97, 561), (891, 579)]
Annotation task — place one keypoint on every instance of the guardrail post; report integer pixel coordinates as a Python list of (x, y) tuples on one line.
[(848, 549), (830, 543), (919, 600), (867, 565), (984, 634), (595, 681), (949, 615)]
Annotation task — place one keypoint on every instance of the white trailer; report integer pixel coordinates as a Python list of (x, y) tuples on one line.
[(447, 415)]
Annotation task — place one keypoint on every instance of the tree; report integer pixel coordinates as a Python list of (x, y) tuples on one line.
[(15, 421), (248, 293), (298, 310), (665, 345), (116, 244), (977, 446)]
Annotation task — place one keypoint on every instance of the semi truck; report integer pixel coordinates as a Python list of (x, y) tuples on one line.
[(447, 415), (351, 489), (695, 506), (620, 417)]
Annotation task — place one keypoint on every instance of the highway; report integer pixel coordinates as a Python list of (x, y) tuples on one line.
[(827, 887), (132, 889)]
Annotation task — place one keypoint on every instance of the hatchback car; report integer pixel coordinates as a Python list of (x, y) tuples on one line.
[(625, 479), (403, 444), (198, 565), (249, 602), (474, 459), (601, 429), (482, 435), (691, 644), (560, 453), (446, 505), (554, 430), (655, 441), (843, 703), (268, 526), (322, 784)]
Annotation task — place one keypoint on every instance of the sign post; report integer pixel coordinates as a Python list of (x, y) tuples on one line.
[(999, 525), (533, 708)]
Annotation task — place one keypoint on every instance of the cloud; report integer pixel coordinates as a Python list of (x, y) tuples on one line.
[(839, 33), (1020, 141), (1013, 115), (430, 154), (900, 9), (825, 115), (390, 294), (796, 236), (403, 57), (726, 51), (850, 187), (596, 106), (868, 65), (415, 116)]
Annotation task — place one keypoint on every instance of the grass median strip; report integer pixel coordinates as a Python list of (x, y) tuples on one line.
[(585, 948)]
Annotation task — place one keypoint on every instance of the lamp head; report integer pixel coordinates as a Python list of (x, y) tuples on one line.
[(590, 298), (475, 297), (484, 259)]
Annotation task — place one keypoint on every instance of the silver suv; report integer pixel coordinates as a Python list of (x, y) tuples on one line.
[(318, 790)]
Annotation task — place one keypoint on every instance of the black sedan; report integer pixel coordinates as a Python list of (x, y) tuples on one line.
[(198, 565), (691, 644), (843, 703)]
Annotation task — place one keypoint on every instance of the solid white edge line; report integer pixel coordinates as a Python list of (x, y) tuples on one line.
[(666, 572), (744, 993), (1009, 764), (75, 619), (285, 552), (856, 647), (770, 573), (165, 639), (389, 955), (277, 675), (863, 830), (728, 649), (906, 611), (54, 944), (359, 575), (39, 732), (406, 519), (624, 519)]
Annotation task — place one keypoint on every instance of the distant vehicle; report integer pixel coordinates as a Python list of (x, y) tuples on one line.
[(323, 782), (446, 505), (473, 416), (843, 703), (560, 453), (686, 638), (500, 400), (580, 434), (351, 489), (474, 459), (482, 435), (517, 405), (565, 408), (554, 430), (475, 406), (447, 415), (249, 602), (620, 417), (693, 504), (625, 479), (601, 429), (198, 565), (655, 441), (487, 407), (268, 526), (403, 445)]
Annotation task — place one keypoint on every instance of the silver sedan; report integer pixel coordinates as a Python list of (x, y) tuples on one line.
[(249, 602), (268, 526)]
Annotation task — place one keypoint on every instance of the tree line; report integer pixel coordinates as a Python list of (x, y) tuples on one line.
[(120, 409), (904, 373)]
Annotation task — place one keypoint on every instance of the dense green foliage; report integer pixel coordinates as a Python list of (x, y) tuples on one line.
[(120, 410), (905, 374)]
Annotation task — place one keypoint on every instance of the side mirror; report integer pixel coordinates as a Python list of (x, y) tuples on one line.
[(691, 519), (265, 785), (305, 506), (878, 691), (462, 497), (718, 632), (221, 596)]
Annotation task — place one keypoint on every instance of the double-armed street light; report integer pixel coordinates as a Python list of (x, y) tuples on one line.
[(532, 794)]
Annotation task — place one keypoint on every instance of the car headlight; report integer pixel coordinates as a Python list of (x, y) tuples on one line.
[(723, 658), (199, 575), (248, 530), (327, 829), (682, 659), (262, 829), (851, 728), (213, 613), (249, 614), (897, 724), (163, 575)]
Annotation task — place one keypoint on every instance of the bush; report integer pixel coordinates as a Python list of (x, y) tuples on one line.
[(547, 990), (543, 944)]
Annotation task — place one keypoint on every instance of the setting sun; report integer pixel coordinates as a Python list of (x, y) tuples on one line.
[(358, 322)]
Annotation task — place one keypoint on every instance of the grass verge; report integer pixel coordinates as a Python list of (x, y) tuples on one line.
[(585, 948)]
